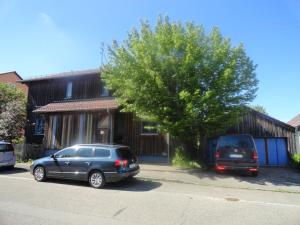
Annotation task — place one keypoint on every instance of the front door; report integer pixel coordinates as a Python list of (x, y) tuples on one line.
[(80, 165), (59, 166), (102, 129)]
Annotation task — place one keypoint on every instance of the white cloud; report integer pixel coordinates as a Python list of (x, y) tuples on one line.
[(45, 18)]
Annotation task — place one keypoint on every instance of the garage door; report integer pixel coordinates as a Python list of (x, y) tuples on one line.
[(272, 151)]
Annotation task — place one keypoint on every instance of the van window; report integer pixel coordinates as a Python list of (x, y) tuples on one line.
[(238, 141), (99, 152), (6, 148)]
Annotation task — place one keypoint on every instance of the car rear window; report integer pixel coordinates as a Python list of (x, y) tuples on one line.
[(125, 153), (99, 152), (242, 141), (6, 148), (85, 152)]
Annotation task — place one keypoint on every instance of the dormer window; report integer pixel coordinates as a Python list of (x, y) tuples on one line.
[(69, 89), (104, 91)]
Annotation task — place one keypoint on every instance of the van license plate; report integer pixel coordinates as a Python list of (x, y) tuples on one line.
[(133, 165), (236, 156)]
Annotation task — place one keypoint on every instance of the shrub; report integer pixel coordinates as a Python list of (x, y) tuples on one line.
[(296, 161), (182, 160)]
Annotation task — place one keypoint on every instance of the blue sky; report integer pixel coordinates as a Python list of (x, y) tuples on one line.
[(43, 37)]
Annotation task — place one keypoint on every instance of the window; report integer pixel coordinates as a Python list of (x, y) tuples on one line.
[(85, 152), (66, 153), (69, 89), (149, 128), (39, 125), (6, 148), (104, 91), (99, 152), (125, 153)]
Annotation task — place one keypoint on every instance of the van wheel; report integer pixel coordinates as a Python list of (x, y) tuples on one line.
[(254, 174), (39, 174), (96, 179)]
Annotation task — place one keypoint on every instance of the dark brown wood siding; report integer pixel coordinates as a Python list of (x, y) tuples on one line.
[(128, 131), (43, 92), (260, 125)]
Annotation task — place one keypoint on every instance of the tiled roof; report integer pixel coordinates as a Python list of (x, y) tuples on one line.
[(84, 105), (295, 122), (64, 75)]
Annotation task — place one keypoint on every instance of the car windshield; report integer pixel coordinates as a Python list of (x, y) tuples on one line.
[(242, 142)]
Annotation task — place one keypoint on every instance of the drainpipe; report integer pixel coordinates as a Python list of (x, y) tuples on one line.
[(110, 126)]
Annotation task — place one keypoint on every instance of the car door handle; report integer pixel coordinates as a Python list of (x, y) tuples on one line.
[(88, 163), (67, 163)]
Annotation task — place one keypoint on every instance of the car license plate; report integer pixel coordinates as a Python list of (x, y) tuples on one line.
[(133, 165), (236, 156)]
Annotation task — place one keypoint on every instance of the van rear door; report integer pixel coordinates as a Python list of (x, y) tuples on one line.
[(6, 153)]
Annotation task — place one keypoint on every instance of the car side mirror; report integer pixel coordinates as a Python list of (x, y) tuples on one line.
[(53, 156)]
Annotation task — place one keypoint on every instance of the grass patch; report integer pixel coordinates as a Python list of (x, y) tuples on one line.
[(296, 161), (182, 160), (24, 161)]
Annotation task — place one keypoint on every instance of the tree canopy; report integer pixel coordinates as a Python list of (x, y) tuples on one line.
[(260, 109), (12, 112), (190, 82)]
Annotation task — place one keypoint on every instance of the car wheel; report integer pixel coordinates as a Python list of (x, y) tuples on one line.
[(254, 174), (96, 179), (39, 174)]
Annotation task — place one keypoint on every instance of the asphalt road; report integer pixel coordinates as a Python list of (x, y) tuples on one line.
[(24, 201)]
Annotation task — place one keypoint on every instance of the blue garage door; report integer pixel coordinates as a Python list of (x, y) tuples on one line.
[(276, 151), (260, 146)]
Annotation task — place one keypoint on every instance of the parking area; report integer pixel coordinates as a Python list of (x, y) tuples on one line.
[(269, 178)]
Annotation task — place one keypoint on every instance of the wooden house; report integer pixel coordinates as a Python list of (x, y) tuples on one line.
[(75, 107)]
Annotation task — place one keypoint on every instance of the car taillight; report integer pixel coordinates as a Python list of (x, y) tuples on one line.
[(121, 163), (219, 167), (217, 155), (254, 156)]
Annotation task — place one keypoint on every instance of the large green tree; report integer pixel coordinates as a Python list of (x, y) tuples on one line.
[(12, 112), (191, 83)]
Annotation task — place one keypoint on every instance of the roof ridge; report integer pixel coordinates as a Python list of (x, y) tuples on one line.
[(63, 74)]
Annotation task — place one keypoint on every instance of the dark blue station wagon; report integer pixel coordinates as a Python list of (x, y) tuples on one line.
[(96, 163)]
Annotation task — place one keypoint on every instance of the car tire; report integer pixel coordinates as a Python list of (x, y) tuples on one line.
[(96, 179), (254, 174), (39, 174)]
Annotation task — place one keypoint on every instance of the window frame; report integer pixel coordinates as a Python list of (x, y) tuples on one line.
[(90, 148), (102, 149), (69, 90), (148, 133), (38, 120), (75, 155), (104, 92)]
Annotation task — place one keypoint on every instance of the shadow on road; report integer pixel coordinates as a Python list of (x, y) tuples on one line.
[(8, 171), (134, 185)]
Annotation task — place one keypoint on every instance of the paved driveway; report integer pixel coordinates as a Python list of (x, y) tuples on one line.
[(272, 179)]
